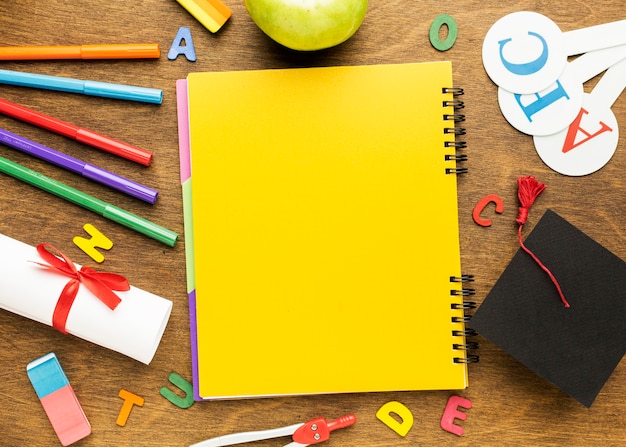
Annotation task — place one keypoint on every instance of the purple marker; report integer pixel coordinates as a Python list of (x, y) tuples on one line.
[(85, 169)]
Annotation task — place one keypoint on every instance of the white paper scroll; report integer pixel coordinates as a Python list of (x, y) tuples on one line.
[(134, 328)]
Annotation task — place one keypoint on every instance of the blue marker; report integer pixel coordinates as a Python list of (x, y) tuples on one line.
[(58, 399), (92, 88)]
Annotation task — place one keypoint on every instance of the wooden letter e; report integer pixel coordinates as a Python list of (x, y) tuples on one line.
[(451, 412)]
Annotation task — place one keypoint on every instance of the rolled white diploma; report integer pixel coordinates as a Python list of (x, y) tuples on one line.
[(134, 328)]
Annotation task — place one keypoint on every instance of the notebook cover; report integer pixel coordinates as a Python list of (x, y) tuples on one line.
[(575, 348), (325, 230)]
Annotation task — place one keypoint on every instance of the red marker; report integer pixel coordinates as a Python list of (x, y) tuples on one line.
[(76, 133)]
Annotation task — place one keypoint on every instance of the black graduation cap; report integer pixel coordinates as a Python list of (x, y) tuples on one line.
[(575, 348)]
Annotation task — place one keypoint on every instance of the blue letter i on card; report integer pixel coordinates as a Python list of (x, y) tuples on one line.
[(541, 102)]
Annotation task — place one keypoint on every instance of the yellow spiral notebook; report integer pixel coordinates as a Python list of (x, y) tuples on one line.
[(325, 230)]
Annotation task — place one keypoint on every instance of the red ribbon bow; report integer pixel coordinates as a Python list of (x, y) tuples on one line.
[(101, 284)]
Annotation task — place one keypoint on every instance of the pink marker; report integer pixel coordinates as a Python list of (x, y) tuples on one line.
[(58, 399)]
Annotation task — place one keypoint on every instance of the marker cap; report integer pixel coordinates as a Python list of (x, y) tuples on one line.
[(114, 146), (140, 225), (127, 92), (120, 183)]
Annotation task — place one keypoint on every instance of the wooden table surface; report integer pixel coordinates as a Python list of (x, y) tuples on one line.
[(511, 405)]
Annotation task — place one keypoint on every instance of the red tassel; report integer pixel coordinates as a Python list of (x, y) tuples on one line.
[(528, 190)]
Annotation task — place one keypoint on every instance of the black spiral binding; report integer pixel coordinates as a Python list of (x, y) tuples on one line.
[(467, 332), (464, 291), (457, 117)]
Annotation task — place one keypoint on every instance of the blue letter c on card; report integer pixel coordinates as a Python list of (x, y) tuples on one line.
[(527, 68)]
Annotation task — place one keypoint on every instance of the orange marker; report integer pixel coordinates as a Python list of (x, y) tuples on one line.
[(106, 51), (211, 13)]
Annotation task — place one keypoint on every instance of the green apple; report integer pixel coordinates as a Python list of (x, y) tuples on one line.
[(308, 25)]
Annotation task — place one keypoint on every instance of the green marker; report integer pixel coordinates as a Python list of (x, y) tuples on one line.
[(91, 203)]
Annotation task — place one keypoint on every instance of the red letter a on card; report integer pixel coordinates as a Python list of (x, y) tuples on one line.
[(570, 139)]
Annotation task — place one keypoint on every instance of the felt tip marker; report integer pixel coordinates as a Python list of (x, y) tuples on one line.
[(91, 88), (79, 134), (104, 51), (89, 202), (80, 167)]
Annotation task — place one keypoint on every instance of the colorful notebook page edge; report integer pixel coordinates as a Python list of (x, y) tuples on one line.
[(183, 130), (185, 180), (193, 334), (185, 177)]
